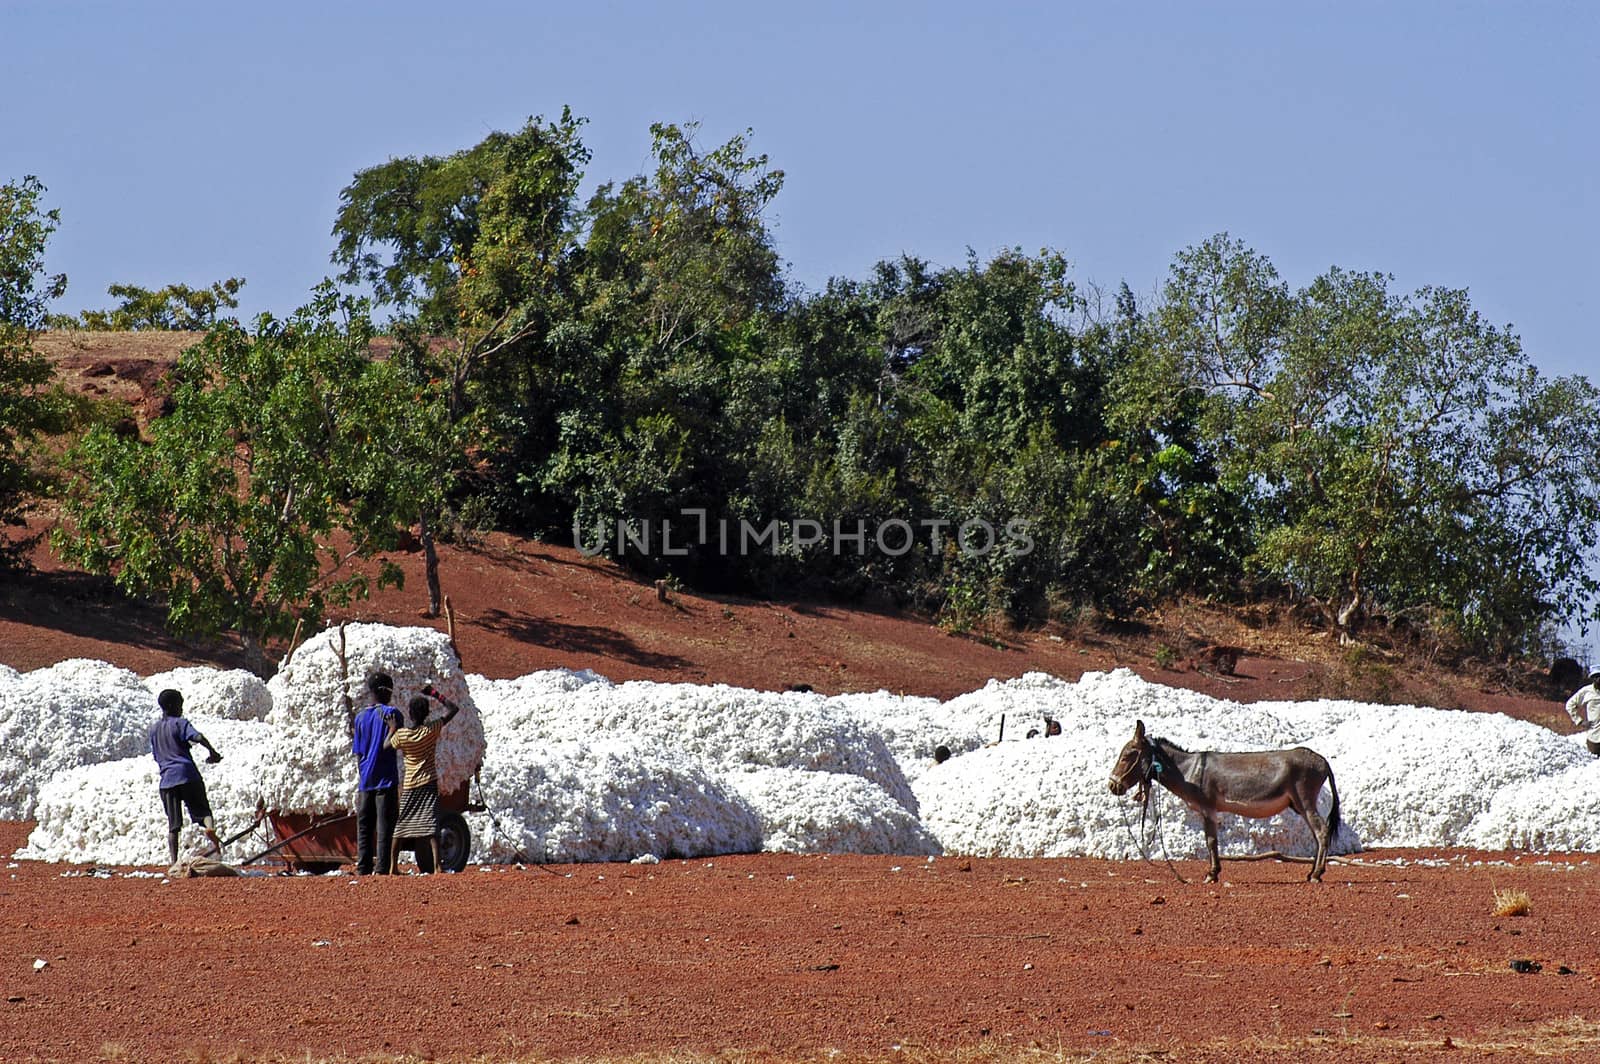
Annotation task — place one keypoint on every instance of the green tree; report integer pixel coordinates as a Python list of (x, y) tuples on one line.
[(175, 307), (1179, 525), (25, 292), (1402, 456), (472, 250), (290, 462), (662, 387), (468, 248)]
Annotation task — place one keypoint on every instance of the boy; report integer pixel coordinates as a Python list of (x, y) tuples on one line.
[(378, 779), (181, 786)]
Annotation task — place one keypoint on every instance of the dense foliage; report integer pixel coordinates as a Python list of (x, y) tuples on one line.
[(635, 374), (660, 393), (290, 455), (26, 409)]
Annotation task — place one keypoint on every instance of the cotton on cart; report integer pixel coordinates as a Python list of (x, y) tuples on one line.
[(307, 792)]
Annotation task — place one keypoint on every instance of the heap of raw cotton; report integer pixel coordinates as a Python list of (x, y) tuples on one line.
[(313, 770), (721, 726), (608, 801), (110, 813), (790, 772), (1406, 776), (226, 694), (828, 812), (73, 713), (579, 768)]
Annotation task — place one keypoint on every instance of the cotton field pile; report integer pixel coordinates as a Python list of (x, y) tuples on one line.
[(574, 767)]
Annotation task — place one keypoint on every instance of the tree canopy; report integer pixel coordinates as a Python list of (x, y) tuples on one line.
[(173, 307), (291, 458), (25, 294)]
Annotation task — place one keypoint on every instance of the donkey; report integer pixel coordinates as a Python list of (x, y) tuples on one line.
[(1255, 784)]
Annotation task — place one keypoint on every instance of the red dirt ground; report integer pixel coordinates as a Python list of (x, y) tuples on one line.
[(796, 957)]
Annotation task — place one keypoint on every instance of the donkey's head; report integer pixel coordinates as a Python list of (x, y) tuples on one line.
[(1133, 764)]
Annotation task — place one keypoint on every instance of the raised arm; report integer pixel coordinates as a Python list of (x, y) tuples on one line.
[(190, 736), (451, 709)]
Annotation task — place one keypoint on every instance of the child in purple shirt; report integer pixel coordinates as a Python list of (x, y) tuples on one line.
[(181, 786)]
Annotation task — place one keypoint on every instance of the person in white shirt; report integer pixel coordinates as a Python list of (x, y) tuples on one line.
[(1584, 707)]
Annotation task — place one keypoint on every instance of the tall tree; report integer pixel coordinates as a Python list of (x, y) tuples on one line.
[(25, 294), (471, 250), (468, 248), (665, 381), (290, 462), (1403, 455)]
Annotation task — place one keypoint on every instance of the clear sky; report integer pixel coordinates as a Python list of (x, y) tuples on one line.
[(1451, 144)]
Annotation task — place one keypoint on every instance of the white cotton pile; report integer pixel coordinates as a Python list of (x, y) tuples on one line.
[(718, 726), (576, 767), (827, 812), (76, 712), (111, 813), (1414, 775), (226, 694), (314, 770), (913, 727), (1557, 811), (1048, 797), (610, 800)]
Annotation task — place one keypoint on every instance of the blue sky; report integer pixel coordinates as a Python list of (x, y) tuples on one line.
[(1451, 144)]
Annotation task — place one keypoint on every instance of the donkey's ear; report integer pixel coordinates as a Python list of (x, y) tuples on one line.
[(1138, 731)]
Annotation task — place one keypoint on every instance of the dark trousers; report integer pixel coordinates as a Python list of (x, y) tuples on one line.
[(375, 817)]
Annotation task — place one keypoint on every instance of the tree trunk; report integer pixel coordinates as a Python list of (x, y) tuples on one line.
[(1349, 617), (430, 555), (255, 655)]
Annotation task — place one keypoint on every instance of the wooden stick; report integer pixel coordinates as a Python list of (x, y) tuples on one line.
[(294, 640), (450, 626), (344, 682)]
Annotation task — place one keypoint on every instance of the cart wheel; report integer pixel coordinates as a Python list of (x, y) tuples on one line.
[(316, 868), (455, 841)]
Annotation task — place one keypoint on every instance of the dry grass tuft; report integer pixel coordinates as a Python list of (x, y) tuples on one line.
[(1511, 902)]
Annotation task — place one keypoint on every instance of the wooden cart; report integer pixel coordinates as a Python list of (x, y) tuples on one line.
[(322, 842)]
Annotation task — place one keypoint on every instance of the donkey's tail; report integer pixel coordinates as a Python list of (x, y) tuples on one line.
[(1333, 810)]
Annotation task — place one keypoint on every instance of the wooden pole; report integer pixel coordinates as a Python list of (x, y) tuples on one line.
[(450, 626), (294, 640)]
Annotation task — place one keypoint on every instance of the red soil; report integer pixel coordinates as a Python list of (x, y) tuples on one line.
[(799, 956)]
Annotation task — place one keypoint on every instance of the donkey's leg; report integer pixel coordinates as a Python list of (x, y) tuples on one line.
[(1211, 845), (1325, 836), (1321, 828)]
